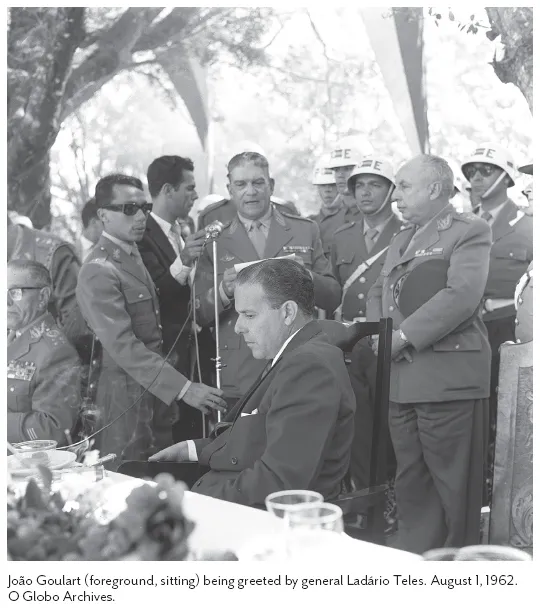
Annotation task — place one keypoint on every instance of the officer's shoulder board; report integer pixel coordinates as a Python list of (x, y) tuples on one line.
[(344, 227), (466, 216), (54, 336), (213, 206)]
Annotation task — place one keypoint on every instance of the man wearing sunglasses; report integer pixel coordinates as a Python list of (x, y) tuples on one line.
[(43, 390), (119, 301), (490, 169)]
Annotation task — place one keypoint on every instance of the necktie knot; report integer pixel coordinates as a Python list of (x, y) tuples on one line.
[(486, 215), (371, 237)]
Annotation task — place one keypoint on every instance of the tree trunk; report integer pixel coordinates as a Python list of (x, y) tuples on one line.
[(515, 26)]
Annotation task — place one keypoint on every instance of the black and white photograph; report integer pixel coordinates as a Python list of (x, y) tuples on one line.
[(269, 299)]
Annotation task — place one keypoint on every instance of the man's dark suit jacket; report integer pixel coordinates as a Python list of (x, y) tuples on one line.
[(158, 255), (298, 431)]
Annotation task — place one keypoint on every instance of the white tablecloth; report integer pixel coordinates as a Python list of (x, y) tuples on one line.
[(226, 526)]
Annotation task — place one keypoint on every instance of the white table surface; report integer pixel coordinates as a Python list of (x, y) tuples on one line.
[(226, 526)]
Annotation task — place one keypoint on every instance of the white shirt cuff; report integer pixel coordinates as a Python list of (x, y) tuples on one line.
[(179, 272), (192, 451), (183, 391), (223, 296)]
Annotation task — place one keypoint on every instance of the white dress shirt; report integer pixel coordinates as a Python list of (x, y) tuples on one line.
[(177, 269), (86, 247)]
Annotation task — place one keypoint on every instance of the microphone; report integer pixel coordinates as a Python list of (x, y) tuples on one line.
[(213, 230)]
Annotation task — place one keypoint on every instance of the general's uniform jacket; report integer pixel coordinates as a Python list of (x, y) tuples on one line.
[(451, 353), (293, 430), (118, 299), (43, 390), (288, 234), (511, 253), (61, 261), (348, 252)]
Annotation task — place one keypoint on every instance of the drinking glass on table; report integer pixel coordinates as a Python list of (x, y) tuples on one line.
[(282, 503), (314, 531)]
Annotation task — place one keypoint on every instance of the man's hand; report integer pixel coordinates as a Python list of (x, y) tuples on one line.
[(174, 453), (193, 246), (204, 398), (229, 279), (404, 354)]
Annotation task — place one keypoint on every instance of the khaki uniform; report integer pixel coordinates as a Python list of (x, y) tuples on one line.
[(438, 402), (43, 390), (288, 234), (330, 220), (61, 261), (118, 299), (348, 252)]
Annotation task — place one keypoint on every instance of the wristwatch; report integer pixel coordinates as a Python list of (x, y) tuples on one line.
[(403, 336)]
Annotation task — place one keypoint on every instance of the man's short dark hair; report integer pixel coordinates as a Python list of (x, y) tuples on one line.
[(104, 188), (39, 274), (167, 170), (248, 157), (282, 280), (89, 212)]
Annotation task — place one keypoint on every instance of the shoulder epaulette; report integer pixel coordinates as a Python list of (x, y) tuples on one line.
[(345, 226), (213, 206), (296, 217)]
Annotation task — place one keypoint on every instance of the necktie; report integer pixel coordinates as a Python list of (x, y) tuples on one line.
[(257, 237), (176, 232), (138, 259), (371, 238), (486, 215)]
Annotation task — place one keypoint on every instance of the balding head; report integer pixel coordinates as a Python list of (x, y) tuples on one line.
[(424, 186)]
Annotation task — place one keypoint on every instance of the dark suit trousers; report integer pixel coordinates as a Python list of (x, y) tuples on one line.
[(440, 456)]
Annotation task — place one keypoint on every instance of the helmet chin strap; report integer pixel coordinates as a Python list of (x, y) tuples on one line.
[(493, 185), (387, 198)]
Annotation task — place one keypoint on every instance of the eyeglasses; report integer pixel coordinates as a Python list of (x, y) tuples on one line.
[(485, 170), (131, 208), (16, 293)]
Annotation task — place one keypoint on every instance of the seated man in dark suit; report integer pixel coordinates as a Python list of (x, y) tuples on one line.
[(294, 428)]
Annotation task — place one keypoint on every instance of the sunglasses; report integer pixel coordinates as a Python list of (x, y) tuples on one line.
[(131, 208), (485, 170), (16, 293)]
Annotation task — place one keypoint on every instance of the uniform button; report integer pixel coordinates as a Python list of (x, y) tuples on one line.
[(141, 295), (157, 313), (391, 308), (517, 322), (160, 326), (11, 389), (511, 254), (225, 347), (362, 279), (392, 286), (361, 296), (360, 312), (457, 347), (518, 341), (92, 385), (234, 460), (520, 300)]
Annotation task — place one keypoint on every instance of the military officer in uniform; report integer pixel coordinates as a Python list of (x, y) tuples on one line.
[(325, 181), (43, 392), (259, 230), (63, 265), (441, 358), (490, 170), (358, 254), (118, 299)]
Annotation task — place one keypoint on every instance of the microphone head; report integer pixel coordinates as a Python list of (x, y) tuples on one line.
[(213, 230)]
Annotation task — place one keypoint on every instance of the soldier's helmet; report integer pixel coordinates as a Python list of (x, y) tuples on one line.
[(349, 151), (492, 154), (322, 174), (374, 166)]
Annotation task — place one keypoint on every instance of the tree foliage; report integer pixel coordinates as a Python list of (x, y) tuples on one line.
[(59, 58)]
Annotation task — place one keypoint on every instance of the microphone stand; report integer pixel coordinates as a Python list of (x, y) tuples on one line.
[(216, 317)]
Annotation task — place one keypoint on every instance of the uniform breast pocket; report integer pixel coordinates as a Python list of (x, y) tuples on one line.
[(20, 399), (459, 342), (139, 303), (344, 265), (511, 253)]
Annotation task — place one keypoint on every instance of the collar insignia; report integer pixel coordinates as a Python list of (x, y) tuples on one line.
[(116, 255), (444, 223)]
